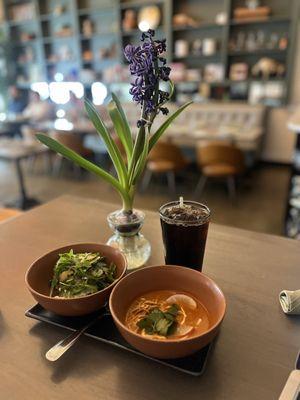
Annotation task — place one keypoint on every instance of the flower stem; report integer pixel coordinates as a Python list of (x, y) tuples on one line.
[(128, 201)]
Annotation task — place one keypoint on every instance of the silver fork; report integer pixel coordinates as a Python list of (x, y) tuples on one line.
[(65, 344)]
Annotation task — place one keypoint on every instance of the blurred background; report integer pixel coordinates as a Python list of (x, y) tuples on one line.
[(237, 148)]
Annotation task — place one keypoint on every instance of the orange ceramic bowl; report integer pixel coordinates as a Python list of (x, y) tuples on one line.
[(167, 277), (40, 273)]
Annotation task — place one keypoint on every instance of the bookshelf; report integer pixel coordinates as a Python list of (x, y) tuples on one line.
[(82, 39)]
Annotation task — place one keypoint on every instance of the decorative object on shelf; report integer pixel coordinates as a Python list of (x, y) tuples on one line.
[(52, 58), (213, 72), (183, 20), (283, 42), (267, 67), (239, 90), (87, 27), (149, 18), (245, 13), (181, 48), (129, 152), (268, 93), (103, 53), (87, 55), (273, 41), (27, 56), (193, 75), (237, 43), (129, 20), (22, 12), (108, 52), (274, 91), (64, 31), (197, 47), (251, 43), (209, 46), (221, 18), (59, 9), (178, 72), (113, 51), (186, 91), (260, 39), (204, 91), (27, 36), (65, 53), (252, 4), (256, 93), (238, 72)]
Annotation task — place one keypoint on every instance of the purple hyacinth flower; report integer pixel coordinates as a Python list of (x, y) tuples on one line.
[(130, 52), (149, 67)]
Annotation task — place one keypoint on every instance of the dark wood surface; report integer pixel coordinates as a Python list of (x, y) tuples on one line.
[(252, 357)]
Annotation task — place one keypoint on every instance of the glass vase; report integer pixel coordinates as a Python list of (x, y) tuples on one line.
[(127, 237)]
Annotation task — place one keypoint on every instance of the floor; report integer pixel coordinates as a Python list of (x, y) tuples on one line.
[(260, 205)]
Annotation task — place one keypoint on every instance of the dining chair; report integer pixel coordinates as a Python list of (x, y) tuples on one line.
[(219, 160), (74, 142), (28, 137), (164, 159)]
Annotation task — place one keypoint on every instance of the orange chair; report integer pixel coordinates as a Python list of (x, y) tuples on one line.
[(217, 160), (120, 146), (74, 142), (165, 158)]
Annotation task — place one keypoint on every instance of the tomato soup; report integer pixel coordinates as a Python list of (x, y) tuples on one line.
[(166, 314)]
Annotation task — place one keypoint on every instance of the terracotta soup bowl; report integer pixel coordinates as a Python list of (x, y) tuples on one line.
[(173, 278), (40, 273)]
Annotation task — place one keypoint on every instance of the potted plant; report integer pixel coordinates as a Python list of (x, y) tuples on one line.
[(149, 68)]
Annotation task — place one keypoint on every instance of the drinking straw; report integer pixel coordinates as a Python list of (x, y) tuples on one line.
[(180, 201)]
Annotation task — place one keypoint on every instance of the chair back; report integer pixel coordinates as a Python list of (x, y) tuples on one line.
[(120, 146), (71, 140), (164, 151), (217, 153)]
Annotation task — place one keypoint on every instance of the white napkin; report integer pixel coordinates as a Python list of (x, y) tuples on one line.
[(290, 301)]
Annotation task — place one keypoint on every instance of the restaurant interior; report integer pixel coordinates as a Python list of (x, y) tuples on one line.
[(120, 120)]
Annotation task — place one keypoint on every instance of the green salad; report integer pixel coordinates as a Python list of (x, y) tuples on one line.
[(81, 274)]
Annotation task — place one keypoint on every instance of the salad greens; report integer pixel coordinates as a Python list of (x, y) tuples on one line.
[(158, 322), (81, 274)]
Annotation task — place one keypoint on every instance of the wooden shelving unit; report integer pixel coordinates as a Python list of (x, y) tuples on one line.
[(46, 53)]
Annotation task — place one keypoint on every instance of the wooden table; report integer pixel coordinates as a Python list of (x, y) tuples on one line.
[(82, 126), (251, 359), (15, 151), (11, 126)]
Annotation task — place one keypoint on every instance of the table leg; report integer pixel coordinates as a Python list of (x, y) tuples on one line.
[(23, 202), (20, 179)]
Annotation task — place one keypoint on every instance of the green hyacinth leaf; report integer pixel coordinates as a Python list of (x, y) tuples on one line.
[(155, 137), (111, 146), (82, 162), (121, 124), (138, 148), (139, 168)]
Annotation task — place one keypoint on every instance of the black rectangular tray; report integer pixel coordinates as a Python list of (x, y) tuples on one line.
[(105, 331)]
